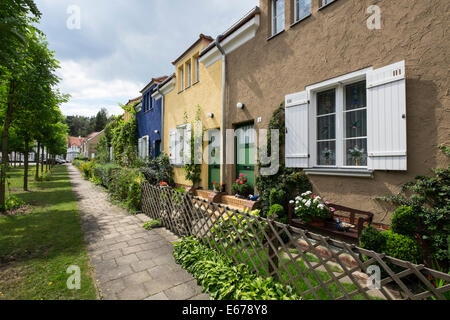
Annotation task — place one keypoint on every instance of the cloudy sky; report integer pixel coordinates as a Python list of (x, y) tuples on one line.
[(122, 44)]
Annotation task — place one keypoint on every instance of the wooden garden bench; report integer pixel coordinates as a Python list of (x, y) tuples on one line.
[(357, 218)]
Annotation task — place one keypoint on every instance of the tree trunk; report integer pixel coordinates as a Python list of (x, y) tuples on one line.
[(8, 119), (36, 177), (25, 164), (42, 160)]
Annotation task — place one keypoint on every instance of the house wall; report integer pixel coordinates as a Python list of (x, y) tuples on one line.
[(149, 121), (207, 94), (91, 145), (335, 41)]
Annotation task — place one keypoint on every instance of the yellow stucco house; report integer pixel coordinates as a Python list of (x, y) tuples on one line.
[(193, 93)]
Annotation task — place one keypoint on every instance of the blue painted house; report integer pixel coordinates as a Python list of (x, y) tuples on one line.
[(149, 120)]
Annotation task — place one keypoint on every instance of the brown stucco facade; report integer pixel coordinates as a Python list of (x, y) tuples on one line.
[(334, 41)]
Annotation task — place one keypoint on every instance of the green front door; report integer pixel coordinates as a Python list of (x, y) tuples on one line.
[(214, 158), (245, 152)]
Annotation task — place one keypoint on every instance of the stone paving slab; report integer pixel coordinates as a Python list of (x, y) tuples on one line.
[(130, 263)]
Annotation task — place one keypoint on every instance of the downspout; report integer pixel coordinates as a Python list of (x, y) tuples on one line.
[(224, 122), (162, 119)]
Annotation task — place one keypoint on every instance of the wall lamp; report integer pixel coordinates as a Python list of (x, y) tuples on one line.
[(240, 105), (156, 131), (211, 115)]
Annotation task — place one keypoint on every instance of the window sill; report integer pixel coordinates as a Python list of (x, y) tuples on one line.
[(359, 173), (302, 19), (276, 34), (195, 83), (328, 4)]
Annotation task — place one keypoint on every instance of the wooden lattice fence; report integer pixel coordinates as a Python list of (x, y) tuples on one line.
[(317, 267)]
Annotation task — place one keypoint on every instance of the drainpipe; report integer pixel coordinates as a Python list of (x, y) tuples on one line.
[(224, 122), (162, 119)]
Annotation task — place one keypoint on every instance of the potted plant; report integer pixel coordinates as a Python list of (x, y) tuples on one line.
[(356, 154), (311, 209), (215, 187), (241, 188)]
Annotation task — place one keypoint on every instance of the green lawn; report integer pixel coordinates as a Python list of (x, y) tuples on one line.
[(37, 248)]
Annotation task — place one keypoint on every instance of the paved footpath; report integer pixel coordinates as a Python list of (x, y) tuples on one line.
[(130, 262)]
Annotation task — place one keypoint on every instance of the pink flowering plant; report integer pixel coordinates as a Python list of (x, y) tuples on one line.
[(309, 206), (241, 186)]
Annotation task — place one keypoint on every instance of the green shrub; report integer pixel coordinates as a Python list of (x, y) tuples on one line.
[(13, 202), (88, 169), (276, 210), (152, 224), (372, 239), (429, 196), (222, 279), (159, 170), (392, 244), (104, 173), (125, 186), (405, 220), (402, 247)]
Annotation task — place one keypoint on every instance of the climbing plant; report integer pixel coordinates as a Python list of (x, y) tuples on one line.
[(287, 182), (192, 170)]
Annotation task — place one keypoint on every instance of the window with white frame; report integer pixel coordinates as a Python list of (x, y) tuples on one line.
[(197, 69), (152, 103), (342, 126), (180, 145), (181, 83), (349, 125), (189, 74), (302, 9), (277, 16), (325, 2)]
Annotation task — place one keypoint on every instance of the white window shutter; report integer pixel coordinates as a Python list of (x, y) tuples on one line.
[(297, 130), (172, 146), (187, 144), (140, 148), (386, 118), (146, 142)]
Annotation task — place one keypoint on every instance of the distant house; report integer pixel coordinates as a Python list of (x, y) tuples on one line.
[(88, 148), (136, 102), (149, 120), (74, 145)]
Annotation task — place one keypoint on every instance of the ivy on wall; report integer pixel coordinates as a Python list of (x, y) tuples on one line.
[(287, 182), (192, 170)]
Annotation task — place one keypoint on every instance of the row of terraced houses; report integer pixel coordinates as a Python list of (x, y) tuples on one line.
[(347, 89)]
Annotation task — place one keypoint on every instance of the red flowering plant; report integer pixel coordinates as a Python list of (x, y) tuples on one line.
[(163, 184), (241, 186)]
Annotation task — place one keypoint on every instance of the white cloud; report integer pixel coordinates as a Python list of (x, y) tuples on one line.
[(90, 94), (123, 44)]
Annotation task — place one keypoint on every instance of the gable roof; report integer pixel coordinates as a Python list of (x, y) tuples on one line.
[(201, 38), (252, 13), (75, 141), (153, 81)]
